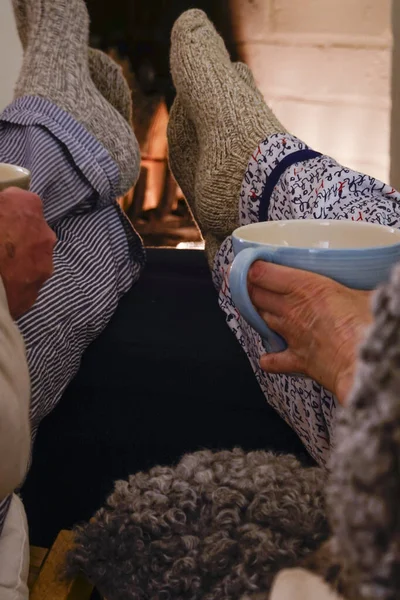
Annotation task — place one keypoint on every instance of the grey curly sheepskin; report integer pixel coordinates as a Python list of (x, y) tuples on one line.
[(216, 526), (364, 488)]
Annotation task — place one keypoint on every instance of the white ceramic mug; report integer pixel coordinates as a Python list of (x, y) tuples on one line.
[(14, 176)]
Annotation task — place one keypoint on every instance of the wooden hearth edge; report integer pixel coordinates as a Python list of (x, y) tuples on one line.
[(48, 585)]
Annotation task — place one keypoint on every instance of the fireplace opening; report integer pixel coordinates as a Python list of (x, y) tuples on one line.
[(137, 36)]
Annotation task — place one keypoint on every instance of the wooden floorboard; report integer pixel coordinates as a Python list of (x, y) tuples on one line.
[(45, 577)]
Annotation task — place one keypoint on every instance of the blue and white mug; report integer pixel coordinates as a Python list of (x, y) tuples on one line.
[(357, 254)]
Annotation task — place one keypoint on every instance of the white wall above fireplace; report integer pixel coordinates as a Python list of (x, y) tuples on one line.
[(325, 68)]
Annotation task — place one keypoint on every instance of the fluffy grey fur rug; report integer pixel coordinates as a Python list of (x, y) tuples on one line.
[(216, 526)]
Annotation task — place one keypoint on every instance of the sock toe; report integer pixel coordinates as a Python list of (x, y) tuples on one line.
[(200, 64), (192, 28)]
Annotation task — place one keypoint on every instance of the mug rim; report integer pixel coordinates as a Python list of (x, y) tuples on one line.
[(346, 222), (19, 171), (15, 176)]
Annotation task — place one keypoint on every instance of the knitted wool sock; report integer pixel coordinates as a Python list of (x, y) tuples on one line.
[(56, 67), (183, 148), (229, 119), (106, 75), (109, 79)]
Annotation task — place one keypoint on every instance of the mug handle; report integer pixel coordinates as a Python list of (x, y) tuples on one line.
[(240, 295)]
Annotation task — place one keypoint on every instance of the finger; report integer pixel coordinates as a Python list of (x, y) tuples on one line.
[(29, 199), (35, 203), (266, 301), (275, 322), (278, 279), (280, 362), (46, 271), (282, 326), (23, 195), (43, 267), (52, 238), (20, 303)]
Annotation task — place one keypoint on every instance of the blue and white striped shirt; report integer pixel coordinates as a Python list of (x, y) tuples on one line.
[(98, 255)]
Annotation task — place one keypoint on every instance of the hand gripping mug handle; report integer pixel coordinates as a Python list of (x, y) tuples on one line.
[(240, 295)]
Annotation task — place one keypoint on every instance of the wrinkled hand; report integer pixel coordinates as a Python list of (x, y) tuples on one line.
[(26, 248), (322, 322)]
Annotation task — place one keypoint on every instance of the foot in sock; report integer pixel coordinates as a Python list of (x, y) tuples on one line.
[(109, 79), (184, 156), (55, 34), (228, 115)]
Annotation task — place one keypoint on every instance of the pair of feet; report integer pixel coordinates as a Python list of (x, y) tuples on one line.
[(216, 122)]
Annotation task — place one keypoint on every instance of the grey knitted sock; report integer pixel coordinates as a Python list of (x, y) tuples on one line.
[(106, 75), (184, 153), (229, 120), (56, 67), (109, 79)]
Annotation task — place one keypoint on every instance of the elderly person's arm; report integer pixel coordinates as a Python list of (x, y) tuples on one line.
[(322, 321), (26, 262)]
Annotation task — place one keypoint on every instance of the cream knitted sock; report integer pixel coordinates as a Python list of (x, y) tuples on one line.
[(229, 118), (56, 67), (183, 148)]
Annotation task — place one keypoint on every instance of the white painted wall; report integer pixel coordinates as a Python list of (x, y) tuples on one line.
[(325, 68), (10, 53)]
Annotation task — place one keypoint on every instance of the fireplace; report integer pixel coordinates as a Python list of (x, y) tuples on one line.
[(325, 69)]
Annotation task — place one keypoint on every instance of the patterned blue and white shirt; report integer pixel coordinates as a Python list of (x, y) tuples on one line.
[(287, 180)]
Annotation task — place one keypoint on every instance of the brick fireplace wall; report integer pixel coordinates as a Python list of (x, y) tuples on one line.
[(325, 68)]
